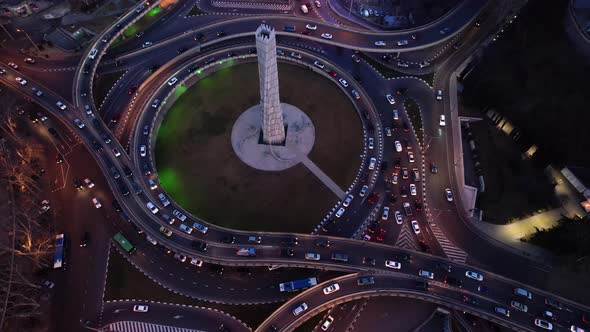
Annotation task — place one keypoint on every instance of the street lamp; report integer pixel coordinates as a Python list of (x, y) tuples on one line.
[(32, 42)]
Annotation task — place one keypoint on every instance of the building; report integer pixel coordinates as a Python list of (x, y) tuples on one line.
[(579, 178)]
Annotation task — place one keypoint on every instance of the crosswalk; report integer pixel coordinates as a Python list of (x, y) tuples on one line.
[(251, 5), (131, 326), (405, 239), (449, 248)]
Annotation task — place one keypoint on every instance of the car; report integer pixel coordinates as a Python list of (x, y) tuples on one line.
[(41, 116), (369, 261), (426, 274), (165, 231), (355, 94), (405, 173), (444, 30), (433, 168), (139, 34), (318, 64), (37, 92), (393, 265), (574, 328), (196, 262), (343, 82), (326, 36), (97, 203), (442, 121), (152, 207), (364, 190), (553, 303), (132, 89), (311, 27), (172, 81), (61, 105), (372, 163), (398, 146), (502, 311), (78, 184), (179, 215), (439, 95), (548, 314), (146, 44), (519, 306), (543, 324), (153, 185), (155, 103), (452, 281), (402, 42), (415, 227), (371, 143), (394, 179), (385, 214), (165, 201), (21, 81), (390, 99), (412, 189), (13, 65), (523, 292), (89, 183), (443, 267), (200, 227), (388, 132), (380, 43), (470, 300), (331, 289), (142, 150), (474, 275), (180, 257), (398, 217), (116, 152), (322, 243), (300, 308), (424, 64), (312, 256), (185, 228), (340, 212), (347, 200), (87, 109), (333, 73), (403, 191), (411, 156), (415, 174), (201, 246), (47, 284), (449, 194), (366, 280), (79, 123), (287, 252), (140, 308), (329, 320)]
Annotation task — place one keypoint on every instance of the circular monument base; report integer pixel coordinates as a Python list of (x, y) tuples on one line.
[(246, 139)]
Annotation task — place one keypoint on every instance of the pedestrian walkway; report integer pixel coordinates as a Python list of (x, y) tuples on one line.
[(323, 177), (251, 5), (405, 239), (449, 248), (131, 326)]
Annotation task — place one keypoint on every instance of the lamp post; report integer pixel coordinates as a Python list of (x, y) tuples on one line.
[(8, 33), (29, 37), (350, 10)]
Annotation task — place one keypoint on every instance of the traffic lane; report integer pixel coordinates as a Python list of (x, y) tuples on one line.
[(115, 106), (380, 312), (180, 316)]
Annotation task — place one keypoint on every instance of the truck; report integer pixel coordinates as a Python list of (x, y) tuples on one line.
[(248, 252), (295, 285), (304, 9), (407, 208)]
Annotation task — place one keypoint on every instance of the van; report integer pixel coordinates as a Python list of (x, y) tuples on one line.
[(339, 257), (301, 308), (255, 239), (93, 53), (523, 292)]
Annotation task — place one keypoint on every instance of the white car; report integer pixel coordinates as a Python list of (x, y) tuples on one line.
[(172, 81), (340, 212), (364, 190), (312, 256), (301, 308), (385, 214), (398, 146), (355, 94), (21, 81), (152, 207), (97, 203), (140, 308), (411, 156), (318, 64), (390, 99), (327, 36), (13, 65), (296, 55), (574, 328), (347, 201), (79, 123), (402, 42), (442, 121), (197, 262), (116, 152), (439, 95), (372, 163), (393, 265), (329, 320), (88, 109), (543, 324), (311, 27), (412, 189), (388, 132), (371, 143), (380, 43), (331, 289), (403, 64), (474, 275), (89, 183), (61, 105), (398, 217), (426, 274), (343, 82), (395, 115), (449, 194), (142, 150), (415, 227)]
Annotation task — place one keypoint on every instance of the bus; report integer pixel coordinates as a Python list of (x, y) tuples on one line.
[(59, 255), (295, 285), (124, 243)]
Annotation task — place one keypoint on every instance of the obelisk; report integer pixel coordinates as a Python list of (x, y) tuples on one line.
[(273, 127)]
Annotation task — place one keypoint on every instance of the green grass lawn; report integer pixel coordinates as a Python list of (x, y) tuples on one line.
[(102, 84), (199, 169)]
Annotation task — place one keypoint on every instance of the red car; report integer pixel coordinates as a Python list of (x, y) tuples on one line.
[(58, 158), (132, 89), (307, 33), (333, 73), (373, 198)]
